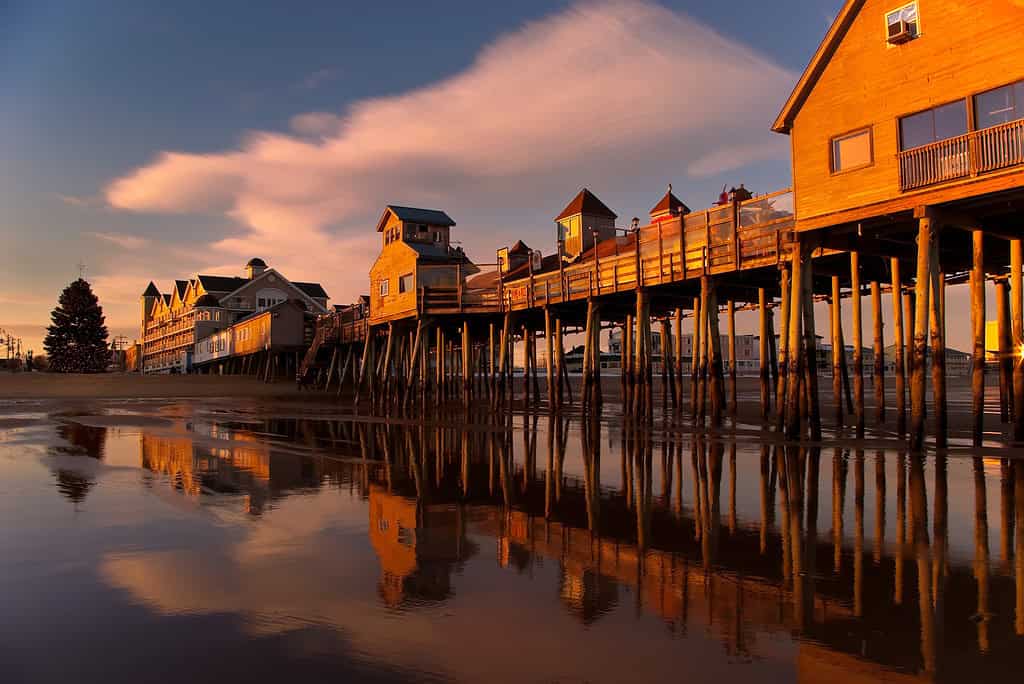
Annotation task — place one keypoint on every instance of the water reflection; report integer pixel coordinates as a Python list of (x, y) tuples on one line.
[(81, 440), (899, 580)]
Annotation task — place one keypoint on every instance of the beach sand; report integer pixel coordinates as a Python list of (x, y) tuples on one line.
[(133, 385)]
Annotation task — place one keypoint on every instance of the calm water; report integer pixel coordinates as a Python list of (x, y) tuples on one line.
[(158, 541)]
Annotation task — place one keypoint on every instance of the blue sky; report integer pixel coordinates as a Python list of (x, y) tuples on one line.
[(296, 123)]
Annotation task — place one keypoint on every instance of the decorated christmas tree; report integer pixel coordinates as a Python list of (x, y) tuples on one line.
[(76, 340)]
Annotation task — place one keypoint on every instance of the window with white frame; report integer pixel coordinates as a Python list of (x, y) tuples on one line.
[(851, 150), (384, 287)]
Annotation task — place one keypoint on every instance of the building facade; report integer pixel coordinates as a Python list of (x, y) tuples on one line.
[(197, 308)]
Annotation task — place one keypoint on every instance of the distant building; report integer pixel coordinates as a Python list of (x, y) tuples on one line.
[(747, 350), (196, 308)]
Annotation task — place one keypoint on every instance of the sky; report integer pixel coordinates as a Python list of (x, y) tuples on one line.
[(149, 140)]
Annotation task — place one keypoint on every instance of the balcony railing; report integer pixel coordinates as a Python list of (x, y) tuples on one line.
[(965, 155)]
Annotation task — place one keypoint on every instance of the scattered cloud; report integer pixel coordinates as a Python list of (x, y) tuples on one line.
[(76, 201), (121, 240), (541, 110), (316, 123), (319, 77)]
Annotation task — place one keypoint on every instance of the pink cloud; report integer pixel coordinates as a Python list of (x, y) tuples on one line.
[(583, 96), (121, 240)]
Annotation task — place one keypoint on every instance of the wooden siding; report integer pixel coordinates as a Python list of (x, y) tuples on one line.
[(964, 48), (395, 260)]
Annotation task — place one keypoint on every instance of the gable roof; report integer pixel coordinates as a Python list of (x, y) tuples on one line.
[(432, 217), (151, 290), (216, 283), (181, 286), (312, 289), (669, 204), (586, 202), (842, 23), (271, 273)]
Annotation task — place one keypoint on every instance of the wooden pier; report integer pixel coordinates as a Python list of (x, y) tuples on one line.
[(875, 215)]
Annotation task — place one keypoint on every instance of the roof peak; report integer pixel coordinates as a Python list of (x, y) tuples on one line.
[(586, 202), (836, 32), (669, 204)]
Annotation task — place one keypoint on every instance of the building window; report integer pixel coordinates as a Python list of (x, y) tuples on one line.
[(384, 288), (851, 151), (405, 283), (933, 125), (999, 105), (902, 24), (422, 228)]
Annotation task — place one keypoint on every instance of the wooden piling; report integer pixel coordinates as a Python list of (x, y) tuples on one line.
[(1017, 324), (922, 292), (626, 356), (858, 344), (835, 309), (563, 380), (364, 363), (533, 367), (491, 378), (878, 348), (695, 339), (762, 311), (978, 330), (506, 331), (705, 335), (677, 348), (1005, 349), (810, 349), (937, 324), (596, 354), (667, 387), (731, 325), (549, 352), (588, 351), (715, 368), (783, 353), (467, 370), (795, 370), (899, 365)]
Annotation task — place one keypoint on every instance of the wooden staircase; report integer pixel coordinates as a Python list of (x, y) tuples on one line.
[(311, 362)]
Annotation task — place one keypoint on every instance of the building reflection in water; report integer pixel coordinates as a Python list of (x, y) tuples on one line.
[(879, 595)]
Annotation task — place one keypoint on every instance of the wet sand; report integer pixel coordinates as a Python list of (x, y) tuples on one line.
[(132, 385), (289, 539), (57, 391)]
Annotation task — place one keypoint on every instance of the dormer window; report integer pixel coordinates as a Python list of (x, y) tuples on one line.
[(902, 25)]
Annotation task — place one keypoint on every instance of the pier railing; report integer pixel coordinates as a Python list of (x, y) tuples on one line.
[(732, 237), (963, 156), (449, 293)]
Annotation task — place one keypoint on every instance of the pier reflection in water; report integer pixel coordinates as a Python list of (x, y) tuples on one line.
[(825, 563)]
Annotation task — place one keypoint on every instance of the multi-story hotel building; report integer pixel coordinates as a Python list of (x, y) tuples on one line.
[(195, 308)]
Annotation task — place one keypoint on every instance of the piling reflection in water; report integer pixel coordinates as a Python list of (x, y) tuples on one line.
[(917, 592)]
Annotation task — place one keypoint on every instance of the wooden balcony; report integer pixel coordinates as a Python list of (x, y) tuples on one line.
[(964, 156)]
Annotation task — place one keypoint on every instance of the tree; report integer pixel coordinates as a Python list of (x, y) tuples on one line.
[(76, 340)]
